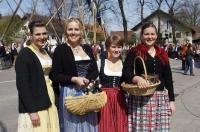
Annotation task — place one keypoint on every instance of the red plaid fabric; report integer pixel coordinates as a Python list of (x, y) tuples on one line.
[(149, 113)]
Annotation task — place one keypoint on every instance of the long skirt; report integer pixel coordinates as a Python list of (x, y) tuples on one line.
[(49, 121), (113, 116), (149, 113), (75, 123)]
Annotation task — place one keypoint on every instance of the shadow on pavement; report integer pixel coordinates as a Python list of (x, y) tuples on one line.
[(197, 64), (2, 127), (181, 72), (175, 68)]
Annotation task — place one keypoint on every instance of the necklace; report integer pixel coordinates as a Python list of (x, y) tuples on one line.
[(78, 51), (75, 50)]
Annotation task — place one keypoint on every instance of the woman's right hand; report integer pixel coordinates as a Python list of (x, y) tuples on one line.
[(141, 82), (35, 119), (80, 81)]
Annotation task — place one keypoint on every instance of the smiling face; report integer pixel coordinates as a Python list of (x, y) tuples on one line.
[(73, 33), (114, 45), (39, 36), (115, 51), (149, 36)]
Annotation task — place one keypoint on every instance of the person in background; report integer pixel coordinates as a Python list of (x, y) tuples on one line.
[(151, 112), (2, 54), (37, 111), (183, 55), (113, 116), (74, 67), (189, 58), (13, 53)]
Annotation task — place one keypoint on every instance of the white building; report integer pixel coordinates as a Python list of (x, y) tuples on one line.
[(182, 31)]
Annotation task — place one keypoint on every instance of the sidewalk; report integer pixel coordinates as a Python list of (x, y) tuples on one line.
[(187, 91)]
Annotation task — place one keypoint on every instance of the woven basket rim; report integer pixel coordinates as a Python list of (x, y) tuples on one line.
[(84, 96), (78, 100), (128, 85), (134, 89)]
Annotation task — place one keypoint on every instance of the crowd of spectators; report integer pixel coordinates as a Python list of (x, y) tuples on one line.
[(8, 54)]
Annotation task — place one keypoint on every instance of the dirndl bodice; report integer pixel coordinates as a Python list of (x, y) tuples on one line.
[(108, 81), (82, 67)]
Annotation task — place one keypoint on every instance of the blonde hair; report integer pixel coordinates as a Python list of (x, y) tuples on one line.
[(76, 20), (73, 19)]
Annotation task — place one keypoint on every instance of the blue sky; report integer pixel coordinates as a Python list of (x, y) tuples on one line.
[(114, 24), (25, 6), (5, 9)]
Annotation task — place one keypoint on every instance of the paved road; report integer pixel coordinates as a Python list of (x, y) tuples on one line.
[(187, 90), (8, 101)]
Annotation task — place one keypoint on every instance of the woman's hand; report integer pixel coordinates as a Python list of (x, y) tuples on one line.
[(80, 81), (35, 119), (172, 106), (141, 82)]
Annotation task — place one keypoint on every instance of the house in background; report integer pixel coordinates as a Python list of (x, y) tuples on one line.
[(182, 31)]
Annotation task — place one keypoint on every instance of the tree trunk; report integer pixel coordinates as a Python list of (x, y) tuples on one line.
[(124, 21), (171, 12), (158, 21)]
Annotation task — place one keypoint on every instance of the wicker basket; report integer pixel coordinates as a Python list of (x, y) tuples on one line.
[(80, 105), (135, 90)]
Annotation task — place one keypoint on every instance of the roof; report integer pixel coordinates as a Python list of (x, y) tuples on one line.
[(163, 13), (121, 33)]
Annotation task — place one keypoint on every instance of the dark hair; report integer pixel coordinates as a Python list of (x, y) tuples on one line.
[(114, 39), (147, 25), (35, 23)]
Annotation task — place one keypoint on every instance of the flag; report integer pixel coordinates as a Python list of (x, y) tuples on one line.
[(88, 2), (91, 3), (98, 17)]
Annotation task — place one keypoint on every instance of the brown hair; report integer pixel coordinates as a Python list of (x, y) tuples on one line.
[(114, 39), (147, 25), (35, 23)]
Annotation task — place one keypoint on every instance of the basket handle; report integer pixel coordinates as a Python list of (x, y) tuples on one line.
[(144, 66)]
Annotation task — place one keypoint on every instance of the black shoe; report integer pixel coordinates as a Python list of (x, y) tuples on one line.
[(192, 74)]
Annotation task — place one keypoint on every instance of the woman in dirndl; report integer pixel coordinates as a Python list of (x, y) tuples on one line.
[(113, 116), (37, 110), (74, 67), (149, 113)]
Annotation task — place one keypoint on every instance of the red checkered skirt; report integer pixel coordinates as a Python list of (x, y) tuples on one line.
[(113, 116), (149, 113)]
